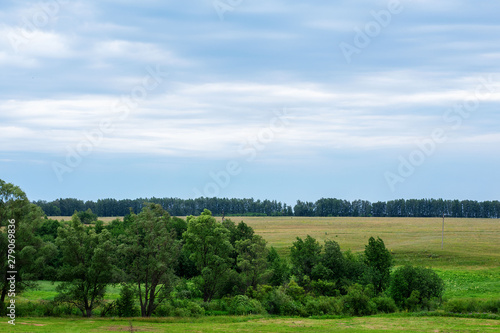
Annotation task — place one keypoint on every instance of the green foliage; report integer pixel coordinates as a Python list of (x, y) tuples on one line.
[(379, 259), (87, 217), (324, 288), (357, 302), (179, 226), (210, 248), (87, 265), (304, 255), (278, 302), (125, 304), (412, 287), (320, 306), (472, 306), (243, 305), (296, 292), (20, 221), (48, 230), (252, 260), (385, 304), (279, 268), (333, 260), (149, 251)]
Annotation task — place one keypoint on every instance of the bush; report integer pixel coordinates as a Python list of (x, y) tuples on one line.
[(125, 305), (279, 303), (324, 288), (195, 310), (358, 303), (406, 280), (243, 305), (322, 306), (492, 306), (461, 306), (296, 292), (472, 305), (385, 304)]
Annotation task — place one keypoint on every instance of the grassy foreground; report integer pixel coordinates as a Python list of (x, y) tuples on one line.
[(388, 323)]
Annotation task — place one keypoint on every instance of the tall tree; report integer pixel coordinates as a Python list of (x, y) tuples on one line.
[(149, 253), (20, 245), (87, 265), (379, 259), (210, 248), (252, 260), (304, 255)]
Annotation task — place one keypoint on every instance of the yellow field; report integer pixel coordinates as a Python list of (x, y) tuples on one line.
[(467, 242), (471, 243)]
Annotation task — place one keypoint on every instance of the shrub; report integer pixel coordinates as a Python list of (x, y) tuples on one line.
[(195, 310), (125, 304), (322, 306), (385, 304), (492, 306), (296, 292), (408, 279), (357, 302), (472, 305), (243, 305), (324, 288), (461, 306), (279, 303)]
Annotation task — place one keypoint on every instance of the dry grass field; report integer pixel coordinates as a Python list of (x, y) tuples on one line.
[(468, 243)]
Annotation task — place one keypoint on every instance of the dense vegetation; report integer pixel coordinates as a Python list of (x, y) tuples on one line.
[(251, 207), (168, 266)]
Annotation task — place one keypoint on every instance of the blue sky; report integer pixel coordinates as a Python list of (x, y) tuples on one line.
[(374, 100)]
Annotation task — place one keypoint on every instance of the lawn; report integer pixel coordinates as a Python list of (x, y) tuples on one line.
[(386, 324)]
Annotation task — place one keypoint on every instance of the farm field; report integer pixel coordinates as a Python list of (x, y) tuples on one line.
[(385, 323)]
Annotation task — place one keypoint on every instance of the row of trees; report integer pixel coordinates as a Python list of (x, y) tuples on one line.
[(175, 206), (242, 207)]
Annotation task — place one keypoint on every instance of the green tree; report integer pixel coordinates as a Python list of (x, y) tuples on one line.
[(423, 283), (20, 221), (304, 255), (252, 260), (149, 253), (125, 305), (87, 265), (279, 268), (87, 217), (332, 264), (379, 259), (208, 244)]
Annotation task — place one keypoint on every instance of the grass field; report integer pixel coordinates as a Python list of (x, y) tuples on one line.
[(386, 324)]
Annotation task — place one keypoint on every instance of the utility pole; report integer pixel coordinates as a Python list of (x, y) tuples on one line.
[(442, 235)]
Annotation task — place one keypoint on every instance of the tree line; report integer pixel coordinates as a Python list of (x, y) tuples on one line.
[(251, 207)]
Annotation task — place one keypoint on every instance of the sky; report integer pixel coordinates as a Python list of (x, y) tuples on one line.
[(280, 100)]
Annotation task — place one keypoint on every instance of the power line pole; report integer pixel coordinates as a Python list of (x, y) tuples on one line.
[(442, 235)]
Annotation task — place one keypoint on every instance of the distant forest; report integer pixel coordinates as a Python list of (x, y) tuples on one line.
[(251, 207)]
